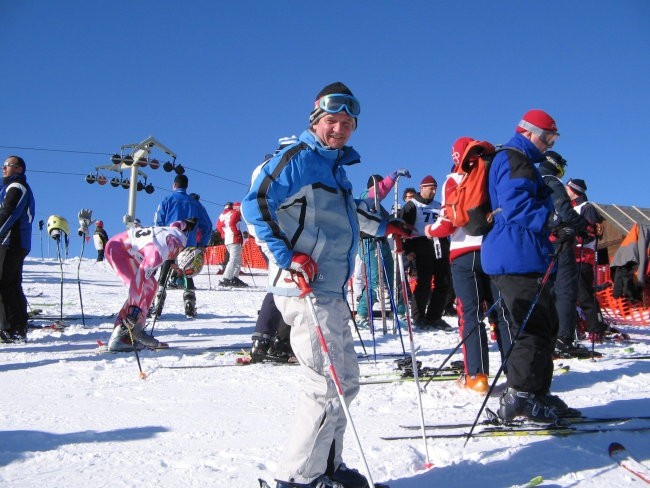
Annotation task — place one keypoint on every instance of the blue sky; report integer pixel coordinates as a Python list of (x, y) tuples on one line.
[(219, 82)]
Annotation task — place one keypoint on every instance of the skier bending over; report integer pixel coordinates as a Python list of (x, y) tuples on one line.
[(135, 254)]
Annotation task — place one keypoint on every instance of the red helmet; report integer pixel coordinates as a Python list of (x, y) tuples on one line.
[(99, 223)]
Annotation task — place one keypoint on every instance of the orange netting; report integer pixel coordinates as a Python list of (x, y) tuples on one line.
[(621, 310), (251, 255)]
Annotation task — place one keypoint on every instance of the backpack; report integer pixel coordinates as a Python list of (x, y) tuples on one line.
[(468, 203)]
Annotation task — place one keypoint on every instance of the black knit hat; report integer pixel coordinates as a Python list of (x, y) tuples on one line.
[(577, 185), (554, 162), (332, 88), (373, 179)]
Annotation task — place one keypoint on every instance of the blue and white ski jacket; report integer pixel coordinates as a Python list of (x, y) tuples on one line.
[(17, 207), (301, 201), (180, 206), (519, 241)]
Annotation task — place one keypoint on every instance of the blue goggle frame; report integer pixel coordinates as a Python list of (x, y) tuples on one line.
[(337, 102)]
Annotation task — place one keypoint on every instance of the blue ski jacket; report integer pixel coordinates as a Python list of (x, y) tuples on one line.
[(16, 212), (180, 206), (301, 200), (519, 241)]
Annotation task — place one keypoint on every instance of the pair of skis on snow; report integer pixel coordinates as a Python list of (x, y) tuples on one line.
[(617, 452)]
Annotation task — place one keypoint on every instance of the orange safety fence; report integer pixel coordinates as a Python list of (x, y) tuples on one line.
[(251, 255), (621, 310)]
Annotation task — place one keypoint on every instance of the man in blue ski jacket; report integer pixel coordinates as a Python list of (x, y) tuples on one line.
[(301, 210), (16, 217), (517, 254)]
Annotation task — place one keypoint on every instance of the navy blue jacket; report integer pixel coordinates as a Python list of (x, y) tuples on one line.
[(16, 212)]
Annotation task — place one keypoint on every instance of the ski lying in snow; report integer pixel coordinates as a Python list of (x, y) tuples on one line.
[(445, 374), (264, 484), (568, 422), (625, 460), (56, 325), (522, 431)]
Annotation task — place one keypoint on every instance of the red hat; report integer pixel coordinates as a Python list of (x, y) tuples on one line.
[(236, 204), (459, 148), (99, 223), (428, 181), (536, 120)]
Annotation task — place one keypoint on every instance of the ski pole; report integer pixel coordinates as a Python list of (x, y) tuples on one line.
[(365, 248), (533, 303), (380, 280), (143, 375), (81, 301), (400, 260), (356, 327), (474, 329), (306, 292), (57, 238), (380, 287), (162, 293), (393, 303)]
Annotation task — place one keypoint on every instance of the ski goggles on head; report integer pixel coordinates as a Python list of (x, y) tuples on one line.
[(336, 102), (548, 137)]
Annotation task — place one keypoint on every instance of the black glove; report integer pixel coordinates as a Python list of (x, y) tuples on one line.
[(563, 234), (190, 223)]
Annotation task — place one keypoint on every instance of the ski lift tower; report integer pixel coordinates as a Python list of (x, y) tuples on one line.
[(137, 155)]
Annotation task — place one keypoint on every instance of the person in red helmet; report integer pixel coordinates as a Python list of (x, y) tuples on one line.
[(100, 238)]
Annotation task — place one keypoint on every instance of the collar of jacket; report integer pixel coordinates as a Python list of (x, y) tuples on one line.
[(15, 177), (420, 199), (527, 147), (345, 156)]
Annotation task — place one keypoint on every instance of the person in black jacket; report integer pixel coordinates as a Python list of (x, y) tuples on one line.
[(566, 279), (16, 218)]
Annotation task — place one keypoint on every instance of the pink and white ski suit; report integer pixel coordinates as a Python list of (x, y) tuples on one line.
[(135, 254)]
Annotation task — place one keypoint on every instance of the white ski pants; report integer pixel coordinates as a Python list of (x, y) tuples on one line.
[(319, 420), (234, 261)]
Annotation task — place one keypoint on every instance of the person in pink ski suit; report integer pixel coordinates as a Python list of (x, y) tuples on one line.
[(135, 254)]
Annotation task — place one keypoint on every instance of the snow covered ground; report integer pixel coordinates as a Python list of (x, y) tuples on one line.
[(75, 418)]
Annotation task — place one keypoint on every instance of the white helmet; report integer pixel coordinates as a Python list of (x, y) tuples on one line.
[(190, 261)]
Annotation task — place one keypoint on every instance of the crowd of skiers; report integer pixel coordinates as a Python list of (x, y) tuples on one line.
[(529, 275), (302, 212)]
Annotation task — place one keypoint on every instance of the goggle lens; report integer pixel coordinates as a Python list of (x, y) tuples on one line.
[(337, 102)]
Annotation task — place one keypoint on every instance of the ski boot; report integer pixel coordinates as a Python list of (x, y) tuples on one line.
[(237, 283), (260, 347), (515, 403), (136, 327), (158, 304), (281, 351), (320, 482), (190, 303)]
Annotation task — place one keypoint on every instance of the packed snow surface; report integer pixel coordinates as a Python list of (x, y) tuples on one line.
[(74, 418)]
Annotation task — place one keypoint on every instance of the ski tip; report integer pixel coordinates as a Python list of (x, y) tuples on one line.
[(537, 480), (615, 447), (100, 343), (428, 465)]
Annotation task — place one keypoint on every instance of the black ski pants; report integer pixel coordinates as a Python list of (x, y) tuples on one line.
[(11, 288), (530, 366), (566, 291)]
